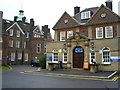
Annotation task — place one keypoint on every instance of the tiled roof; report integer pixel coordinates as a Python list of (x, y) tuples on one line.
[(110, 17)]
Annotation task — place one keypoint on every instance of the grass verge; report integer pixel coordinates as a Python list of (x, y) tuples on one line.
[(3, 68)]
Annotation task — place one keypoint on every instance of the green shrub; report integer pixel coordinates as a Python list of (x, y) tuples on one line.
[(43, 62)]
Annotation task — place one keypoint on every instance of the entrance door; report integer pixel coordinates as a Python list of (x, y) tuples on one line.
[(78, 57)]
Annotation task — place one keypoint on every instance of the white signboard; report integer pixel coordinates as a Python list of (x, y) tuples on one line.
[(100, 51), (115, 59)]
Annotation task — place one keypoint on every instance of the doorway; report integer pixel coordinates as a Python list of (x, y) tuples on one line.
[(78, 57)]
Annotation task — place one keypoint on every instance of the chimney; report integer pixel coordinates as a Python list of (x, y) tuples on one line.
[(32, 22), (76, 10), (109, 4), (46, 30), (1, 14), (23, 19), (15, 18)]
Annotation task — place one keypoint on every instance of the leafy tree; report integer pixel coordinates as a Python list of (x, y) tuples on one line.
[(43, 62)]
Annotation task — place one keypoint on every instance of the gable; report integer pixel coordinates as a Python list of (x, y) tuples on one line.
[(103, 16), (15, 24), (37, 30), (66, 21)]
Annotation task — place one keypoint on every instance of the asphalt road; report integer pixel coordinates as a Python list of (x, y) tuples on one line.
[(14, 79)]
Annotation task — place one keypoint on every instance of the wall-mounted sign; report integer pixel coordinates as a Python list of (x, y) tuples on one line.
[(48, 58), (78, 50), (86, 65), (59, 59), (115, 59)]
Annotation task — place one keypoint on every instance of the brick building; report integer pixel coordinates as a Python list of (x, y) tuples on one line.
[(22, 41), (92, 33), (1, 36)]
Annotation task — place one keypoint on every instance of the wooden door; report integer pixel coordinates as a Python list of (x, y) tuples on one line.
[(78, 57)]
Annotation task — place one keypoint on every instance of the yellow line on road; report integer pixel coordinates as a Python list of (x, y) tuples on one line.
[(113, 79)]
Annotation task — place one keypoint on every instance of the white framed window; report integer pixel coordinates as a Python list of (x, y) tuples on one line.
[(108, 32), (10, 43), (69, 34), (99, 32), (26, 57), (13, 56), (19, 55), (55, 56), (11, 32), (85, 15), (92, 57), (62, 36), (27, 35), (106, 55), (24, 44), (18, 33), (38, 48), (35, 35), (17, 44), (64, 57)]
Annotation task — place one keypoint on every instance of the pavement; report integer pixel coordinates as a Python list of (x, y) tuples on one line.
[(75, 73)]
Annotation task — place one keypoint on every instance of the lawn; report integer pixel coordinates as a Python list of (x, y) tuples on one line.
[(2, 68)]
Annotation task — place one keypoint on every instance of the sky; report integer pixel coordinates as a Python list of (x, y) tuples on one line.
[(47, 12)]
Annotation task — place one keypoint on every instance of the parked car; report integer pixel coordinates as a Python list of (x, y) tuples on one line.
[(35, 62)]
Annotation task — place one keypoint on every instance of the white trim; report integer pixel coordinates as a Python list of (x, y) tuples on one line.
[(17, 26), (62, 36), (38, 29), (68, 34), (18, 33), (107, 31), (53, 57), (12, 56), (85, 15), (109, 56), (20, 55), (63, 59), (10, 43), (26, 57), (11, 32), (90, 58), (97, 33)]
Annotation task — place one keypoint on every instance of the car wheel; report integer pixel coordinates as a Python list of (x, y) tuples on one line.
[(32, 65)]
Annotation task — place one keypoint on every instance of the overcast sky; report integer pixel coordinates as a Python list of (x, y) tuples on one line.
[(47, 12)]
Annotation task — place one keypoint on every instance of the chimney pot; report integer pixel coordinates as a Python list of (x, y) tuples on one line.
[(76, 10), (23, 19), (109, 4), (32, 22), (15, 18)]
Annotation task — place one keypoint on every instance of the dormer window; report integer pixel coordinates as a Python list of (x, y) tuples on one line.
[(18, 33), (85, 15), (11, 32)]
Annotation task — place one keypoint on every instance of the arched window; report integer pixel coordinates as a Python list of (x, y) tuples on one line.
[(106, 55), (55, 56)]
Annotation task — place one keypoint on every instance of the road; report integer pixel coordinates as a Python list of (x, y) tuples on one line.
[(15, 79)]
